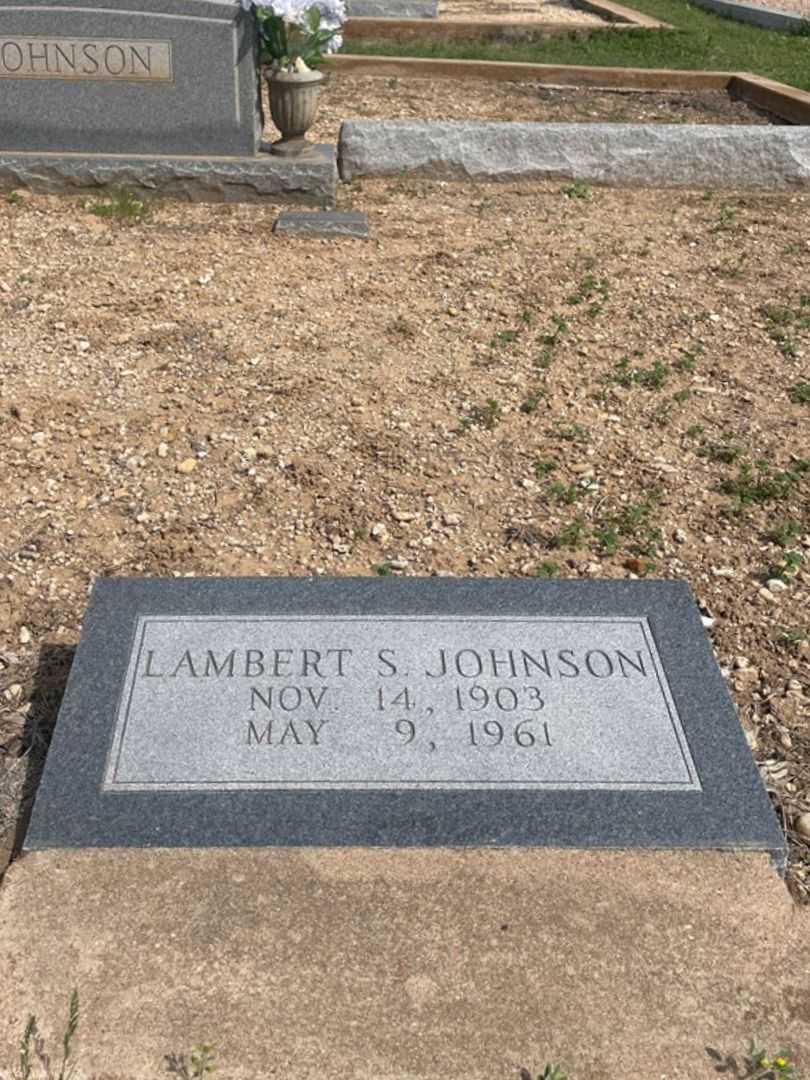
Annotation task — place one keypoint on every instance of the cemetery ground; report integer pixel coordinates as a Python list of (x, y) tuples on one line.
[(701, 40), (505, 380)]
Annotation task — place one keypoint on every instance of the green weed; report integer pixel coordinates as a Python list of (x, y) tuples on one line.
[(543, 467), (758, 483), (593, 289), (574, 432), (32, 1045), (757, 1064), (548, 569), (565, 494), (504, 337), (121, 205), (726, 218), (486, 416), (720, 453), (577, 190), (652, 378), (571, 535), (785, 532), (784, 321), (799, 393), (532, 402), (787, 567)]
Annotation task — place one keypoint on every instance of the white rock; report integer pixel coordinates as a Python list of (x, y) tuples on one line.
[(776, 585), (24, 635), (802, 825)]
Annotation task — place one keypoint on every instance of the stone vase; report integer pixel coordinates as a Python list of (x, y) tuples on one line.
[(293, 104)]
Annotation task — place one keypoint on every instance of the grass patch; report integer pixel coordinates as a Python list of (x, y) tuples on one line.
[(700, 40), (121, 205), (759, 483)]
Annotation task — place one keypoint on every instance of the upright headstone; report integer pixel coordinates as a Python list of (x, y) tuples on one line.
[(115, 77), (398, 712), (158, 95)]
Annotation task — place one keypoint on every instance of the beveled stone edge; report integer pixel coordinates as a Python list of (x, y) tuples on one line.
[(260, 178)]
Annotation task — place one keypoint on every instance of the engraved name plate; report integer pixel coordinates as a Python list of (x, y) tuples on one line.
[(378, 702), (85, 58)]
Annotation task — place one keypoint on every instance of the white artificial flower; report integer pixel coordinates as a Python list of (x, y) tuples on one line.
[(333, 13), (291, 11)]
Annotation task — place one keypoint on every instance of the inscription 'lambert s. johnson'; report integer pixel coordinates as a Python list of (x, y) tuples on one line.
[(85, 58)]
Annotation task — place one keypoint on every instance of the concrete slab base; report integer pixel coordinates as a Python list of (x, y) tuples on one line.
[(653, 155), (357, 964), (309, 180)]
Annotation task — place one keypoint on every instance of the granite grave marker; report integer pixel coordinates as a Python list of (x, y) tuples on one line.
[(113, 77), (161, 96), (398, 712)]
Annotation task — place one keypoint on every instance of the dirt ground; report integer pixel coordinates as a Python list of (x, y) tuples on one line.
[(363, 96), (505, 380)]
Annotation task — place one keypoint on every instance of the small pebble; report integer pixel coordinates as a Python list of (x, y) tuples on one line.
[(802, 825), (187, 466), (25, 635)]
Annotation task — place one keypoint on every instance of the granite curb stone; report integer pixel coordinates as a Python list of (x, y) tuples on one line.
[(260, 178), (655, 155), (80, 802), (327, 223)]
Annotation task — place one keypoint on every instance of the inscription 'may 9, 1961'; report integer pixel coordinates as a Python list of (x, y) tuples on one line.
[(386, 702)]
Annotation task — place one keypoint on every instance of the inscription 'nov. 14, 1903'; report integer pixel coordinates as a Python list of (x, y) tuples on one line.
[(214, 703), (85, 58)]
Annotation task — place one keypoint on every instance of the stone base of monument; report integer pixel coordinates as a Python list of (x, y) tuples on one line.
[(357, 964), (309, 180)]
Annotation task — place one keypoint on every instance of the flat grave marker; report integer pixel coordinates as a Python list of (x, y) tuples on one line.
[(398, 712)]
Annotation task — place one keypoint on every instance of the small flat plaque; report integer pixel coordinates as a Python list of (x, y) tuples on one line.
[(392, 712), (217, 702)]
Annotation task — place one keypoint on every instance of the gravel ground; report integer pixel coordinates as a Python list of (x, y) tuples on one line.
[(557, 11), (506, 380), (794, 7), (354, 97)]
